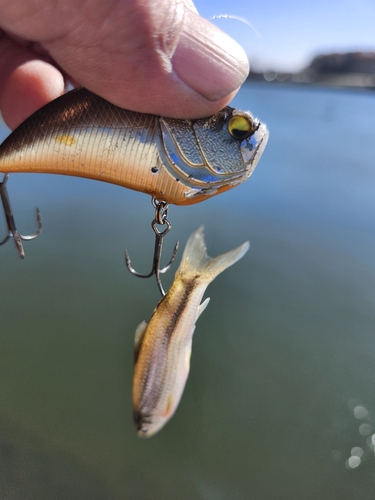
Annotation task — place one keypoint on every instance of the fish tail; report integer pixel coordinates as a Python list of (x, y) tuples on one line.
[(195, 261)]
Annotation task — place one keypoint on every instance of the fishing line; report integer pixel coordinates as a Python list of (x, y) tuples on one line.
[(237, 18)]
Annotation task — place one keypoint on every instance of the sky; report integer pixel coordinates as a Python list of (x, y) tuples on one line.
[(287, 34)]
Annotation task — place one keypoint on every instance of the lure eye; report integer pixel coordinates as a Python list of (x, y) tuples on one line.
[(240, 126)]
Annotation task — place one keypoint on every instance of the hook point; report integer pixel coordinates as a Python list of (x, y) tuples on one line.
[(12, 230)]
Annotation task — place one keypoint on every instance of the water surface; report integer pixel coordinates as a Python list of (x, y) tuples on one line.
[(280, 402)]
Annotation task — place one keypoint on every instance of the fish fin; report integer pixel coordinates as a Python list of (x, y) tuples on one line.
[(139, 334), (195, 261), (202, 307)]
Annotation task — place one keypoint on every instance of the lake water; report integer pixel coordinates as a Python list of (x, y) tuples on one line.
[(280, 403)]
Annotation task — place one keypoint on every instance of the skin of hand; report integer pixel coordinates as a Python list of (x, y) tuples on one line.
[(152, 56)]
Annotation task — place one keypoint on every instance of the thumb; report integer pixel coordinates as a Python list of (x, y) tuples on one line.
[(155, 56)]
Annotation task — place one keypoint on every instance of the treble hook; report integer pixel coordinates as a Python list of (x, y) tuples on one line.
[(161, 211), (12, 230)]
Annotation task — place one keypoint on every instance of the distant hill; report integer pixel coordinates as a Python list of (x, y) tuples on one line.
[(350, 62), (349, 69)]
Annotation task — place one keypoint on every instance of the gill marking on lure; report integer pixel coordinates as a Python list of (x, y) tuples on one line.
[(11, 225), (161, 213)]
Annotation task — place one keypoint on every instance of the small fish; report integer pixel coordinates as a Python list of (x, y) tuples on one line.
[(163, 346), (177, 161)]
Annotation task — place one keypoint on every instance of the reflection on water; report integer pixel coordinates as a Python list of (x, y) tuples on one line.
[(358, 454), (285, 343)]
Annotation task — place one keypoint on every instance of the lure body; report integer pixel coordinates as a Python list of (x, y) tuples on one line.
[(163, 346), (178, 161)]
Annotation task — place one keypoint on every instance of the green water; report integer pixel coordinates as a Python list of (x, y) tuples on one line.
[(283, 367)]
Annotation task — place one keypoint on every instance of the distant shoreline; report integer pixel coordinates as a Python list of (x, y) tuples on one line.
[(350, 70), (350, 82)]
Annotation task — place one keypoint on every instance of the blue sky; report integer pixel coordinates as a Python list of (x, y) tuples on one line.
[(293, 31)]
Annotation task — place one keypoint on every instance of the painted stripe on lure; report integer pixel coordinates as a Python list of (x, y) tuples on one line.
[(178, 161), (163, 346)]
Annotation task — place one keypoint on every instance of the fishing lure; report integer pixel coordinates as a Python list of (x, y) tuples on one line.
[(163, 346), (175, 161)]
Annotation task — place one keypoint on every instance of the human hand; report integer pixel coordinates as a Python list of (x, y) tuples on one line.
[(154, 56)]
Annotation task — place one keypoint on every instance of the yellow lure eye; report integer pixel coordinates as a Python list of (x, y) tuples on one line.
[(240, 126)]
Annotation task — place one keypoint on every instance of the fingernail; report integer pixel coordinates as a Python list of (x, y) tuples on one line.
[(208, 60)]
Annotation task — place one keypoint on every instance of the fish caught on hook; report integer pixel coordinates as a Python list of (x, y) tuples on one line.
[(11, 225), (161, 212), (163, 345)]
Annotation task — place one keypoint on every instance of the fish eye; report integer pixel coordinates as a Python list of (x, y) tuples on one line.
[(240, 126)]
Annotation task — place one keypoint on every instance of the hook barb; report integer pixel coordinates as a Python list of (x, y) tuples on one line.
[(174, 253), (11, 225)]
